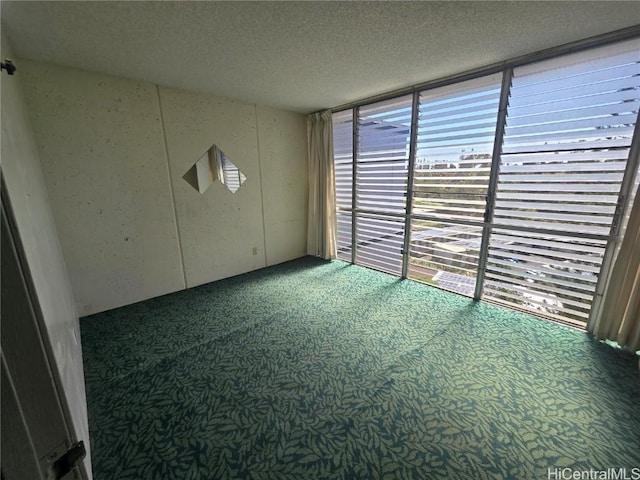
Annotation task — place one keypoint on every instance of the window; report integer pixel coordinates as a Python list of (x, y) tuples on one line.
[(382, 163), (455, 137), (343, 162), (509, 187), (568, 132)]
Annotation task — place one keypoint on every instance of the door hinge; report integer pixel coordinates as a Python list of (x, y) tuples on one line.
[(63, 465)]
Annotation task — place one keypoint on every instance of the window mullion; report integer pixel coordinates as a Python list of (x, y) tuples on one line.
[(493, 180), (616, 226), (409, 192), (354, 164)]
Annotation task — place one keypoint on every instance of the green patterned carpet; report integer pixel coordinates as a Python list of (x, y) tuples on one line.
[(314, 369)]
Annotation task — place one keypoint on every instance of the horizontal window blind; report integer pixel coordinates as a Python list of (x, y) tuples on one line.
[(379, 242), (566, 143), (445, 254), (554, 275), (344, 238), (531, 226), (382, 162), (383, 155), (567, 140), (573, 192), (343, 163), (456, 130)]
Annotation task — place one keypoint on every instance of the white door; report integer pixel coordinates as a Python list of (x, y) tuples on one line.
[(36, 429)]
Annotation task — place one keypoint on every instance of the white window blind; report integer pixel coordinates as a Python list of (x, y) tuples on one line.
[(531, 226), (569, 127), (383, 155), (553, 275), (456, 130), (445, 255), (343, 161), (380, 240), (382, 162)]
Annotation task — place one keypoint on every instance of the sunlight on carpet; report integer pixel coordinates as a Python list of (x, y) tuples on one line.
[(314, 369)]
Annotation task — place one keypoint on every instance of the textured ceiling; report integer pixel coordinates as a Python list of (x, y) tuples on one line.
[(300, 56)]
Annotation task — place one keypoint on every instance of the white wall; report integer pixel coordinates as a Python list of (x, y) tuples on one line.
[(285, 186), (102, 151), (218, 229), (28, 195), (114, 151)]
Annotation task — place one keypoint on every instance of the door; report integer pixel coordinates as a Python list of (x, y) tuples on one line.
[(35, 431)]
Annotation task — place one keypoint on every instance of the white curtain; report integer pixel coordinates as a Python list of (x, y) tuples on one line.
[(619, 319), (321, 231)]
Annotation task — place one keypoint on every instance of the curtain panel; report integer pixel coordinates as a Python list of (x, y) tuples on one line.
[(619, 318), (321, 230)]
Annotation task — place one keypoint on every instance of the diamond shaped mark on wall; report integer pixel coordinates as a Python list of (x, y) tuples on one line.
[(211, 166)]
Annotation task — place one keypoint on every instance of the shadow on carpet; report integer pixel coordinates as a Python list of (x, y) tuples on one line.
[(314, 369)]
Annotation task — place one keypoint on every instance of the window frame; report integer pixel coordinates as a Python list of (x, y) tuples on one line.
[(487, 224)]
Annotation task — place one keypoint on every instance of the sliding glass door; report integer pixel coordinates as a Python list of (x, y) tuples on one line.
[(511, 187)]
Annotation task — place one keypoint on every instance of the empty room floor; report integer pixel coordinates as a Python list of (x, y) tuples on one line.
[(314, 369)]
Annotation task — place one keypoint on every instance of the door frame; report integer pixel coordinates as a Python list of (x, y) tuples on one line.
[(19, 459)]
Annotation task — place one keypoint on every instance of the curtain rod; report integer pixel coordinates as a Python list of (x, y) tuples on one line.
[(591, 42)]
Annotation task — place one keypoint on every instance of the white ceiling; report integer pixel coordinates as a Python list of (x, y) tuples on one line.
[(301, 56)]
